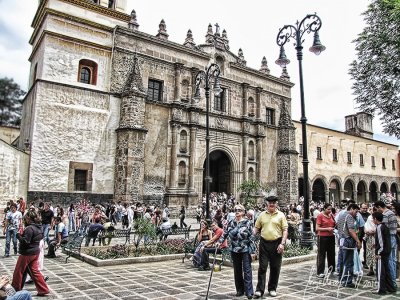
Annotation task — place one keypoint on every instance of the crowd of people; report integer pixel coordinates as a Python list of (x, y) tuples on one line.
[(261, 231)]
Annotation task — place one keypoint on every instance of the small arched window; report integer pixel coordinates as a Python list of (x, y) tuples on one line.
[(251, 107), (182, 173), (251, 150), (87, 72), (183, 142), (251, 174), (220, 62)]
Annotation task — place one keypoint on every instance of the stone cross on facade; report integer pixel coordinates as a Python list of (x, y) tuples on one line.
[(216, 28)]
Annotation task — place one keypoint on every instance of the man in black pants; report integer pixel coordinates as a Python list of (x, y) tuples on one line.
[(273, 226), (365, 214)]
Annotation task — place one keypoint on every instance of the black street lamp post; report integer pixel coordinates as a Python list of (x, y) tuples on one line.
[(311, 23), (210, 72)]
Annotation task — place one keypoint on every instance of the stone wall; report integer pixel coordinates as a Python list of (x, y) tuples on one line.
[(14, 165)]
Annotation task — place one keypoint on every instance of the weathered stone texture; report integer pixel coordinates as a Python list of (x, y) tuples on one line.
[(62, 62), (72, 125), (14, 165)]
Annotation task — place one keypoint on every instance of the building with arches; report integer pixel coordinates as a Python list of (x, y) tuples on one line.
[(110, 111), (350, 164)]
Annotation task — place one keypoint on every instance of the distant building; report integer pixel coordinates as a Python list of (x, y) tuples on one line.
[(349, 165)]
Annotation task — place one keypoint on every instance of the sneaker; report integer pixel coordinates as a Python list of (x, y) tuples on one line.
[(378, 292), (321, 275), (46, 278), (350, 285), (7, 255), (257, 294), (239, 294), (201, 268), (272, 293), (249, 296)]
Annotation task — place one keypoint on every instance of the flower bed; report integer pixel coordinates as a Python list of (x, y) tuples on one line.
[(166, 247)]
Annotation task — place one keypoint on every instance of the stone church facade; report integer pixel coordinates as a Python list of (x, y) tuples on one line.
[(110, 112)]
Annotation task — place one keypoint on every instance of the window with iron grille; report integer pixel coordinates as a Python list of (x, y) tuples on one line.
[(349, 157), (334, 154), (383, 163), (373, 161), (270, 116), (219, 101), (80, 180), (319, 153), (393, 165), (154, 91), (300, 149), (361, 159)]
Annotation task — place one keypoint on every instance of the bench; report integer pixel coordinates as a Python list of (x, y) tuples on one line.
[(116, 233), (73, 245), (175, 231)]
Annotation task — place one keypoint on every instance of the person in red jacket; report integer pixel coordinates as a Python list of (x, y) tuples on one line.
[(28, 261)]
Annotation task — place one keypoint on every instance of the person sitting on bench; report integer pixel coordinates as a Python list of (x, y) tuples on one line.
[(60, 238), (209, 247)]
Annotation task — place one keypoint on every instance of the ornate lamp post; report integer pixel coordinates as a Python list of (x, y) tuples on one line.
[(311, 23), (206, 76)]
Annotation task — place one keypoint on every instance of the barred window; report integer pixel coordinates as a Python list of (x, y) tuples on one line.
[(361, 159), (154, 92), (373, 161), (319, 153), (349, 157), (270, 116), (334, 154), (80, 180), (383, 163), (219, 101)]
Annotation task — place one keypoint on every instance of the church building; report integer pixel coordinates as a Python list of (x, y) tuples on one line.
[(111, 113)]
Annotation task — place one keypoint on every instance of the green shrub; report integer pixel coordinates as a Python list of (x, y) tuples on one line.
[(292, 250)]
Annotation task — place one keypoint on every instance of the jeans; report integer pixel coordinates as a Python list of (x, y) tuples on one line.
[(71, 222), (242, 273), (205, 258), (393, 259), (347, 265), (11, 233), (46, 230), (21, 295)]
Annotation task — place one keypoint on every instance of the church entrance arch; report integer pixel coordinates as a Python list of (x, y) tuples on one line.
[(220, 172)]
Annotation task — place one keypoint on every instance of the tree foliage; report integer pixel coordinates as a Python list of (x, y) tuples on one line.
[(376, 72), (10, 102)]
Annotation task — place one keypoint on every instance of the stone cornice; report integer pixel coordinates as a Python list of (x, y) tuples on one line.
[(261, 74), (165, 43), (52, 12), (67, 38), (87, 5)]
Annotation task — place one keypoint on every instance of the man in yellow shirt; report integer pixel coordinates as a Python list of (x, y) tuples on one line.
[(273, 226)]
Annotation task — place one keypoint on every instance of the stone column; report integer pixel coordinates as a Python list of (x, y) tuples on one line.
[(174, 138), (259, 158), (178, 82), (244, 165), (355, 196), (327, 196), (367, 196), (341, 196), (194, 72), (258, 103), (193, 131), (245, 87)]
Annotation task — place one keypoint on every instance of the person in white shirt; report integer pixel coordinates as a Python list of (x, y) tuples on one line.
[(12, 223)]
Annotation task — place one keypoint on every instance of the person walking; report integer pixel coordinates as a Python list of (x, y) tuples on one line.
[(47, 219), (182, 216), (13, 222), (325, 224), (273, 226), (382, 253), (71, 218), (28, 261), (347, 244), (390, 220), (242, 247)]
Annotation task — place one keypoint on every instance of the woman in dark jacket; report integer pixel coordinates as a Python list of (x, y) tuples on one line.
[(182, 215), (28, 261)]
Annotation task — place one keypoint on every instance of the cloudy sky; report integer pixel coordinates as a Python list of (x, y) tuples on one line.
[(252, 26)]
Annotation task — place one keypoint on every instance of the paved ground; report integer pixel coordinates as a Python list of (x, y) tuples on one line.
[(176, 280)]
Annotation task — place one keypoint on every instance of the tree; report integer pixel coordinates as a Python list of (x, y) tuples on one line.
[(249, 188), (376, 71), (10, 102)]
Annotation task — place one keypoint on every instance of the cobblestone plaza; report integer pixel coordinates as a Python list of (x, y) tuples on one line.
[(176, 280)]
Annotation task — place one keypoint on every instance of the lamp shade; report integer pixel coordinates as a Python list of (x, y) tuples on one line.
[(317, 47), (282, 60)]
